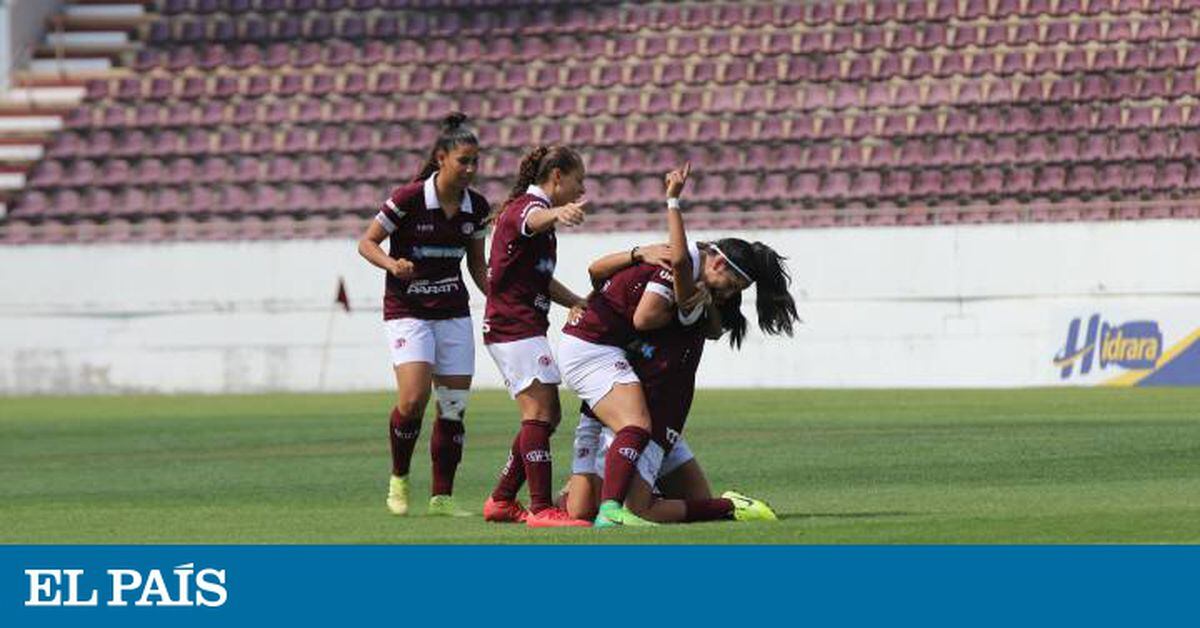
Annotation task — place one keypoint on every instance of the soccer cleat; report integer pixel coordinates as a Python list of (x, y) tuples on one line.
[(554, 518), (612, 513), (444, 506), (397, 499), (503, 511), (749, 509)]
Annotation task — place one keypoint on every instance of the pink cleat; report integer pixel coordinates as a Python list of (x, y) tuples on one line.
[(504, 511), (555, 518)]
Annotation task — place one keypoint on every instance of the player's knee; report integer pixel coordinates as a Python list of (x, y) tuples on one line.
[(452, 403), (409, 406)]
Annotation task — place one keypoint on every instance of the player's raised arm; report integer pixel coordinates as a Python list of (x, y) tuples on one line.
[(681, 260)]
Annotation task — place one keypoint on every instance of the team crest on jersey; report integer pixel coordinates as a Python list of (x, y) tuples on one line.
[(468, 228), (545, 265)]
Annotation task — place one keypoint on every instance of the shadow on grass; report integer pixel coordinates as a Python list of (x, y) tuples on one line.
[(846, 515)]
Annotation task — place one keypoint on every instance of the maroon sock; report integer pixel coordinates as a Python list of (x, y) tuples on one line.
[(403, 433), (445, 447), (535, 454), (512, 476), (708, 509), (621, 461)]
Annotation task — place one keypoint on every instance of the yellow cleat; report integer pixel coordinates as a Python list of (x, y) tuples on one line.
[(444, 506), (397, 499), (749, 509)]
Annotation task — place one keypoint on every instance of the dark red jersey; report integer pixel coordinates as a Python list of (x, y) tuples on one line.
[(608, 319), (520, 267), (666, 360), (419, 231)]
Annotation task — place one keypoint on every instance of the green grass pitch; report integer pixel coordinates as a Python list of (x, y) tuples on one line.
[(1008, 466)]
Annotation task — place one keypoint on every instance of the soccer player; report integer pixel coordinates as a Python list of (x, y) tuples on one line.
[(548, 194), (431, 224), (642, 299)]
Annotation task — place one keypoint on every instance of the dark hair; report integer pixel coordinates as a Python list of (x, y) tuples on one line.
[(732, 320), (766, 268), (537, 165), (454, 132)]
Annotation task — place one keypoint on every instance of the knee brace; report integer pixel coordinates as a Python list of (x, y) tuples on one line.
[(452, 403)]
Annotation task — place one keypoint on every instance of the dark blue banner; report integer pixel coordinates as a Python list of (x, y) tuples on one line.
[(624, 585)]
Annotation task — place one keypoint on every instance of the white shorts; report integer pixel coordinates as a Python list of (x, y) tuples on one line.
[(592, 441), (591, 370), (523, 361), (449, 345)]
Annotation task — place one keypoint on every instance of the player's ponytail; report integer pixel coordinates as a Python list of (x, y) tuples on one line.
[(537, 165), (454, 132), (766, 268), (732, 320)]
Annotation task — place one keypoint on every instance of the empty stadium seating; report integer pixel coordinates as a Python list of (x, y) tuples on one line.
[(292, 118)]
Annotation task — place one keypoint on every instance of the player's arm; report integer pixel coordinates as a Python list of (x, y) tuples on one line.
[(713, 328), (564, 296), (477, 264), (653, 311), (542, 220), (681, 260), (369, 247), (611, 264)]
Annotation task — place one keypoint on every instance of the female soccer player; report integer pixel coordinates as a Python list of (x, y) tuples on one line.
[(640, 299), (548, 194), (431, 223)]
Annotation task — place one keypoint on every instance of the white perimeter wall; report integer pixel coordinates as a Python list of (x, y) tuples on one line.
[(977, 306)]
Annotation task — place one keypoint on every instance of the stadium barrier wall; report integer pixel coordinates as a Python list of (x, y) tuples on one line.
[(950, 306)]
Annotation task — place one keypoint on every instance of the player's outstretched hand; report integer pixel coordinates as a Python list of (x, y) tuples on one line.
[(677, 179), (657, 254), (402, 269), (572, 214)]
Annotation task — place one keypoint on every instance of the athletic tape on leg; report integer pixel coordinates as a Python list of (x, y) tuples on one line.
[(452, 403)]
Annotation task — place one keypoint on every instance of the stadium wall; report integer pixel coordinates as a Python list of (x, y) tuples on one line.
[(952, 306)]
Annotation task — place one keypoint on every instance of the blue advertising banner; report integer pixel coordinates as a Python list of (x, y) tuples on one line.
[(626, 585)]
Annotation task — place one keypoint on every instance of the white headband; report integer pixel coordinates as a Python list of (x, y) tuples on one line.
[(725, 257)]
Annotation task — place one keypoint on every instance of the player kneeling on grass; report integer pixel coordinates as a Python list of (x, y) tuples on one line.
[(637, 307)]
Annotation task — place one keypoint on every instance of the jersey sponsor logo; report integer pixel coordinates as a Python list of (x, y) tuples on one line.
[(545, 266), (438, 252), (628, 453), (425, 227), (538, 455), (542, 302), (442, 286), (1130, 345)]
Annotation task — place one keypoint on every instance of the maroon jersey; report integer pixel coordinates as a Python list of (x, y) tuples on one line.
[(608, 319), (666, 360), (419, 231), (520, 267)]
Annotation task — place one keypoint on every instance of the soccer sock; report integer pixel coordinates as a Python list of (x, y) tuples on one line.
[(512, 476), (403, 433), (535, 455), (445, 447), (621, 461), (708, 509)]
